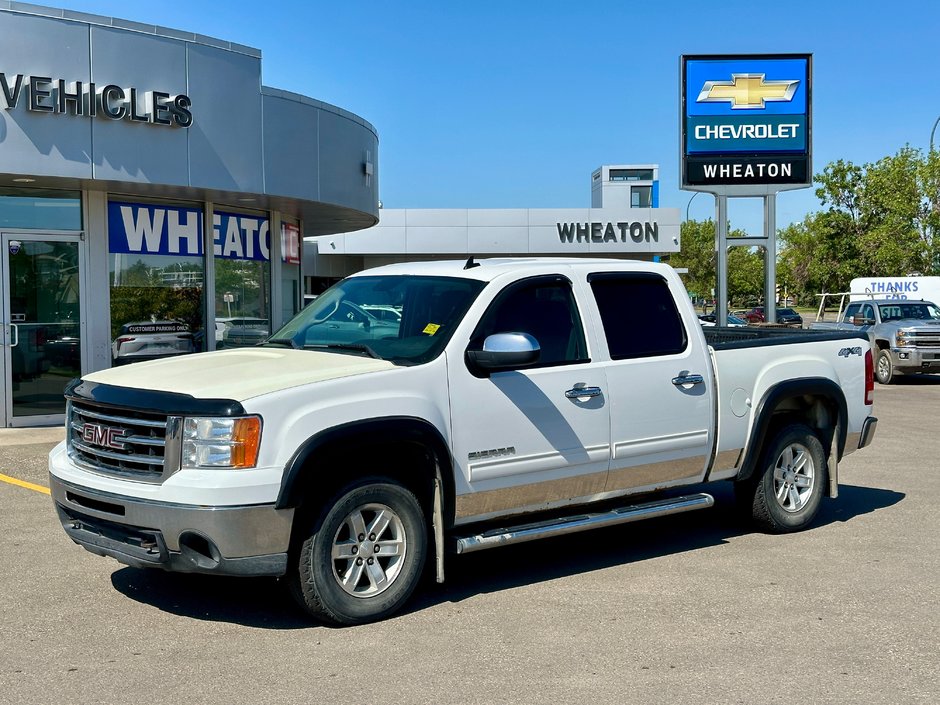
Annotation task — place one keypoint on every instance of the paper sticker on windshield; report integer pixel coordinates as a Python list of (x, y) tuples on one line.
[(431, 328)]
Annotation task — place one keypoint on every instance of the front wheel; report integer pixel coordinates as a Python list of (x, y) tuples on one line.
[(787, 494), (361, 559), (884, 370)]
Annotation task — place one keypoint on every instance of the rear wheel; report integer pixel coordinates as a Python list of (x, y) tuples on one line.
[(787, 494), (884, 371), (362, 557)]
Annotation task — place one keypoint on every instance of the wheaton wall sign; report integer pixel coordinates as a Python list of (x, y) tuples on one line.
[(746, 121), (637, 231), (43, 94)]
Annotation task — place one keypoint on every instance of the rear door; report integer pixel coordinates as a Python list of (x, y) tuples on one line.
[(660, 387)]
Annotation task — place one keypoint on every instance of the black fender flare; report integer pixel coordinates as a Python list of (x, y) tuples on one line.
[(378, 430), (773, 397)]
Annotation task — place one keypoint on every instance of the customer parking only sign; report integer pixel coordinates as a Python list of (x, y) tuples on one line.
[(746, 121)]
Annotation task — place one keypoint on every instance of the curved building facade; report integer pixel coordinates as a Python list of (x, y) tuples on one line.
[(154, 197)]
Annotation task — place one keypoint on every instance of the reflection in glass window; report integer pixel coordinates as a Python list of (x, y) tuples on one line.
[(156, 306), (641, 196), (242, 246), (43, 209)]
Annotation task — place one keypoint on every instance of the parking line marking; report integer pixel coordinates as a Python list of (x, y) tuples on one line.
[(23, 483)]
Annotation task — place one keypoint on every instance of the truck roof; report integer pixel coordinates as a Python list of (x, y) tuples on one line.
[(492, 268)]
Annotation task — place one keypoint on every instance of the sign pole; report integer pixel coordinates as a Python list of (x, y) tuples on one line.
[(770, 258), (721, 250)]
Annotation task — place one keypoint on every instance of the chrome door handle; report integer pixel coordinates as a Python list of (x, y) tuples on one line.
[(682, 380), (579, 392), (14, 329)]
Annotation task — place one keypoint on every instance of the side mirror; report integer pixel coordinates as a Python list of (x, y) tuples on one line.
[(862, 321), (505, 351)]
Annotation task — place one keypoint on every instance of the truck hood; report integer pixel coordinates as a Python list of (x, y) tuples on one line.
[(238, 374)]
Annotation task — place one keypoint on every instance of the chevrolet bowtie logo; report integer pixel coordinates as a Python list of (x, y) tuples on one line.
[(747, 90)]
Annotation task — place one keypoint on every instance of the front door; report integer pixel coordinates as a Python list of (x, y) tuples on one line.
[(535, 437), (40, 325)]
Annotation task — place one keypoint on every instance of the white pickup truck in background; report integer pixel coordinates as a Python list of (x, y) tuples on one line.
[(512, 400)]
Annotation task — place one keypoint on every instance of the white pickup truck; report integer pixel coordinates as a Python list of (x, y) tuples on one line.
[(514, 399)]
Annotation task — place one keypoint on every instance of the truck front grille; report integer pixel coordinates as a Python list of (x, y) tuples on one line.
[(121, 442)]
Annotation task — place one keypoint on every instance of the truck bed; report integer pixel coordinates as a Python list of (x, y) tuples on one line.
[(726, 338)]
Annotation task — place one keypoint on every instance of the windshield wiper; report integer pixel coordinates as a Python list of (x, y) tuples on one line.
[(289, 342), (354, 347)]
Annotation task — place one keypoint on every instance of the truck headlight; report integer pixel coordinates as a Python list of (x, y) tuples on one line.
[(902, 339), (221, 442)]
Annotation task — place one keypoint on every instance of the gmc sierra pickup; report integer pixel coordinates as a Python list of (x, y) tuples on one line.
[(512, 400)]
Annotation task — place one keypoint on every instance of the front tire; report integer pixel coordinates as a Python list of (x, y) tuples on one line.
[(787, 495), (884, 370), (362, 557)]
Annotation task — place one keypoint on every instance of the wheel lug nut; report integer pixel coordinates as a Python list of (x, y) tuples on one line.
[(362, 537), (355, 549), (358, 561), (371, 561), (372, 537), (375, 548)]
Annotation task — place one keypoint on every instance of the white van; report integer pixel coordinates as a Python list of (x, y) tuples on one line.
[(926, 288)]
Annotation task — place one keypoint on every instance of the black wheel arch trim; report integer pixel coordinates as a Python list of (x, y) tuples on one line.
[(812, 386), (378, 430)]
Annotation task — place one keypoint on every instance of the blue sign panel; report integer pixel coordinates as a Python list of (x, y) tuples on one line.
[(138, 228), (746, 120), (238, 236)]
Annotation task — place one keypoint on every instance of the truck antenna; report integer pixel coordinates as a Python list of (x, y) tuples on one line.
[(470, 263)]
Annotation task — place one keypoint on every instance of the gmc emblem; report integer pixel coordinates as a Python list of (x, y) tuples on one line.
[(103, 436)]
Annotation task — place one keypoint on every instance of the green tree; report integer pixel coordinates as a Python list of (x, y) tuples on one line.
[(697, 255), (881, 219)]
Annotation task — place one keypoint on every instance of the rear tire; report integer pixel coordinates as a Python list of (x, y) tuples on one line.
[(787, 494), (884, 369), (360, 560)]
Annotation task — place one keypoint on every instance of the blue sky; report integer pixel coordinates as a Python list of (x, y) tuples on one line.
[(513, 104)]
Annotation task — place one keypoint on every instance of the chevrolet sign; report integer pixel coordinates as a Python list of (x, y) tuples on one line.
[(746, 120)]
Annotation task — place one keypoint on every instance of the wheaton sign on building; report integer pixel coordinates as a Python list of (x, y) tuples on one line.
[(746, 121)]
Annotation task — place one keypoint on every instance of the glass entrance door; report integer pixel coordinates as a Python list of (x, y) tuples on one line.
[(41, 325)]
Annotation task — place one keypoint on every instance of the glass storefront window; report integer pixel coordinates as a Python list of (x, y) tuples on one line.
[(290, 270), (40, 209), (157, 278), (242, 247)]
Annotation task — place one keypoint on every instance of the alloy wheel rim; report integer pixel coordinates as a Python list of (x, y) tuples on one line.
[(368, 550), (794, 477), (882, 367)]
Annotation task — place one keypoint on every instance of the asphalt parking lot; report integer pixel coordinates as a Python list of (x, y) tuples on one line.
[(687, 609)]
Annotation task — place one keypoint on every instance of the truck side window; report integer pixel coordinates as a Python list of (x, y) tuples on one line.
[(545, 309), (639, 314), (868, 311), (851, 312)]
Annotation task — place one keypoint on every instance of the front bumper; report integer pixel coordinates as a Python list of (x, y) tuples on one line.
[(915, 360), (236, 540)]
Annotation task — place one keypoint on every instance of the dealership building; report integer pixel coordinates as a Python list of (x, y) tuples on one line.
[(154, 197), (624, 221)]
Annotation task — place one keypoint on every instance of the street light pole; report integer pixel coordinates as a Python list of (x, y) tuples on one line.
[(932, 132), (698, 192)]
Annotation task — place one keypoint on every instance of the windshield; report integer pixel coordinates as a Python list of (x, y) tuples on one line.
[(900, 311), (401, 318)]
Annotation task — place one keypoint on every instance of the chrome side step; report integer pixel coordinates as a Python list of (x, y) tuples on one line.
[(583, 522)]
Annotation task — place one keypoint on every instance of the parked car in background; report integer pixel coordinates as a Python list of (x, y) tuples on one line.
[(242, 332), (151, 340), (784, 315), (708, 319), (789, 316), (904, 334)]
